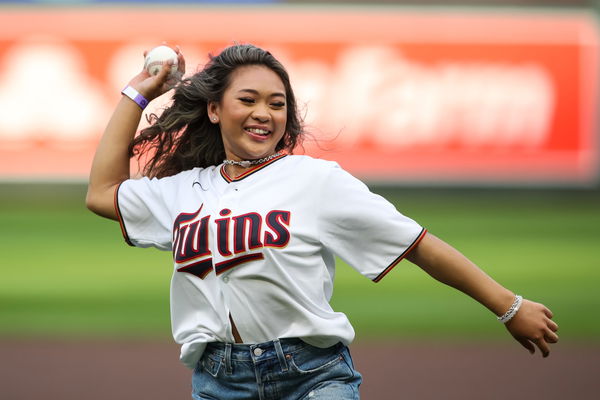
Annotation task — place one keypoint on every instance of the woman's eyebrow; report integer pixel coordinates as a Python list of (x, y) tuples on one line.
[(255, 92)]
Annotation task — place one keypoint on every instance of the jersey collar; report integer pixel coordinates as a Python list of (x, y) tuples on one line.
[(250, 171)]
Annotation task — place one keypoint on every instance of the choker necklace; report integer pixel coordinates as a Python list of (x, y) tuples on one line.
[(248, 163)]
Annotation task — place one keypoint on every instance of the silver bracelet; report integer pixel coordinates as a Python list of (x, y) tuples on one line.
[(512, 310)]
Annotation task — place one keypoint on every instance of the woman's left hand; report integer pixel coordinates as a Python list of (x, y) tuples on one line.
[(532, 326)]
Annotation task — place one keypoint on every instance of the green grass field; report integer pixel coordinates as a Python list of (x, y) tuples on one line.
[(66, 272)]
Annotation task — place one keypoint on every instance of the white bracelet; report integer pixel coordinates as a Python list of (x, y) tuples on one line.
[(512, 310)]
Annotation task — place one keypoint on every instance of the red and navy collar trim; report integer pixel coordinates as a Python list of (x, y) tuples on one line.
[(250, 171)]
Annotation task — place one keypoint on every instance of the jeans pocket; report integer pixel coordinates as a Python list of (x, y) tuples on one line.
[(211, 365), (314, 359)]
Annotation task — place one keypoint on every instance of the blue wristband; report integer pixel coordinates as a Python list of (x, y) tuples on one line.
[(135, 96)]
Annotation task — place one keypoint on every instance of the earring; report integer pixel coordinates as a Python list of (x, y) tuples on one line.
[(214, 119)]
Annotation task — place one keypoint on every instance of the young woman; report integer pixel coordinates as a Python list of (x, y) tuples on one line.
[(254, 232)]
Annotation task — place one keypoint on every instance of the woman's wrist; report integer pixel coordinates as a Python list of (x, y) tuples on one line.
[(135, 96), (512, 310), (500, 301)]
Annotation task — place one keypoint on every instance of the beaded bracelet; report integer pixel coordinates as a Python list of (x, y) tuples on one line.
[(512, 310), (135, 96)]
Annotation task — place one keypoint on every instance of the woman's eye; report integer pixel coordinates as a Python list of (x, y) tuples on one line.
[(246, 100), (278, 104)]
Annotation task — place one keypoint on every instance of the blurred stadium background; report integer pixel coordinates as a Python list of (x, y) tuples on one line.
[(477, 118)]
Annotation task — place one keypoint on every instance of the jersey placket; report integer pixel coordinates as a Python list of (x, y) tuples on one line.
[(226, 206)]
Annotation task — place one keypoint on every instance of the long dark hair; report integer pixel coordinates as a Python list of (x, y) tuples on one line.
[(182, 137)]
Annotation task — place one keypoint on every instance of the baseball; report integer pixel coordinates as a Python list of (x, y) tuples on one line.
[(159, 56)]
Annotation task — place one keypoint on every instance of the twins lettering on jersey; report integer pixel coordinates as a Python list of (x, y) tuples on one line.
[(239, 239)]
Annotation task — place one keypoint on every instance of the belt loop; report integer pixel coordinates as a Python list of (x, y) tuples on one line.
[(280, 355), (228, 358)]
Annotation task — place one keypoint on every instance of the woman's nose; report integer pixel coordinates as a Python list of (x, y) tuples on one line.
[(261, 114)]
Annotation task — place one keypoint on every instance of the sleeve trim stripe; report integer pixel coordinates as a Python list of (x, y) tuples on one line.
[(120, 217), (401, 257)]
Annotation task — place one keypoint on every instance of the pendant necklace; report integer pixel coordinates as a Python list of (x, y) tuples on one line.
[(249, 163)]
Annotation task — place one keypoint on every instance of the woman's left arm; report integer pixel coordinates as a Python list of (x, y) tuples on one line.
[(531, 325)]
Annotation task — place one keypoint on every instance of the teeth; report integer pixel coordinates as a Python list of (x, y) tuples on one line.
[(258, 131)]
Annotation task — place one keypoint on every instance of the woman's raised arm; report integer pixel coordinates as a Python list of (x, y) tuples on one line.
[(111, 161)]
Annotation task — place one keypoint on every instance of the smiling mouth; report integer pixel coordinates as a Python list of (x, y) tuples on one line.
[(258, 131)]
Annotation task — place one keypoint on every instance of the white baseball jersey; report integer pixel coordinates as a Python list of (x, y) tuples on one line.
[(262, 247)]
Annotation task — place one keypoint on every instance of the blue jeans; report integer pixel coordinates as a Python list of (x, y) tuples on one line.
[(286, 369)]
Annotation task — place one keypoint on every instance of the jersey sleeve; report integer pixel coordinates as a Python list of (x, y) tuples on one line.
[(144, 213), (362, 228)]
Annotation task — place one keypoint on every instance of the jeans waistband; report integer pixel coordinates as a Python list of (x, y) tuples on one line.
[(255, 351), (231, 353)]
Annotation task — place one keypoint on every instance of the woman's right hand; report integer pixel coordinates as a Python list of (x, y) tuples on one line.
[(111, 162), (151, 86)]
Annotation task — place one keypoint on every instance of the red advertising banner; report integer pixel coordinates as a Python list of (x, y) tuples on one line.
[(393, 94)]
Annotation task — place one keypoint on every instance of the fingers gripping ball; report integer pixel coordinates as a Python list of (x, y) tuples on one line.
[(157, 57)]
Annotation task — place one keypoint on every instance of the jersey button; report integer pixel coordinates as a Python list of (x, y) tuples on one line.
[(225, 279), (258, 351)]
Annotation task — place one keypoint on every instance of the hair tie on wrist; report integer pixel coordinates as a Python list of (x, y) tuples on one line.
[(135, 96), (512, 310)]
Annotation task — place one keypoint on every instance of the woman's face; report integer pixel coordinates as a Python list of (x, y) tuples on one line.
[(252, 114)]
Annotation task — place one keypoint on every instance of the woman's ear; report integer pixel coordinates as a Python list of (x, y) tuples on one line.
[(212, 110)]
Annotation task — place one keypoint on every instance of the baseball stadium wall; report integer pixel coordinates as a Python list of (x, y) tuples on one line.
[(396, 95)]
